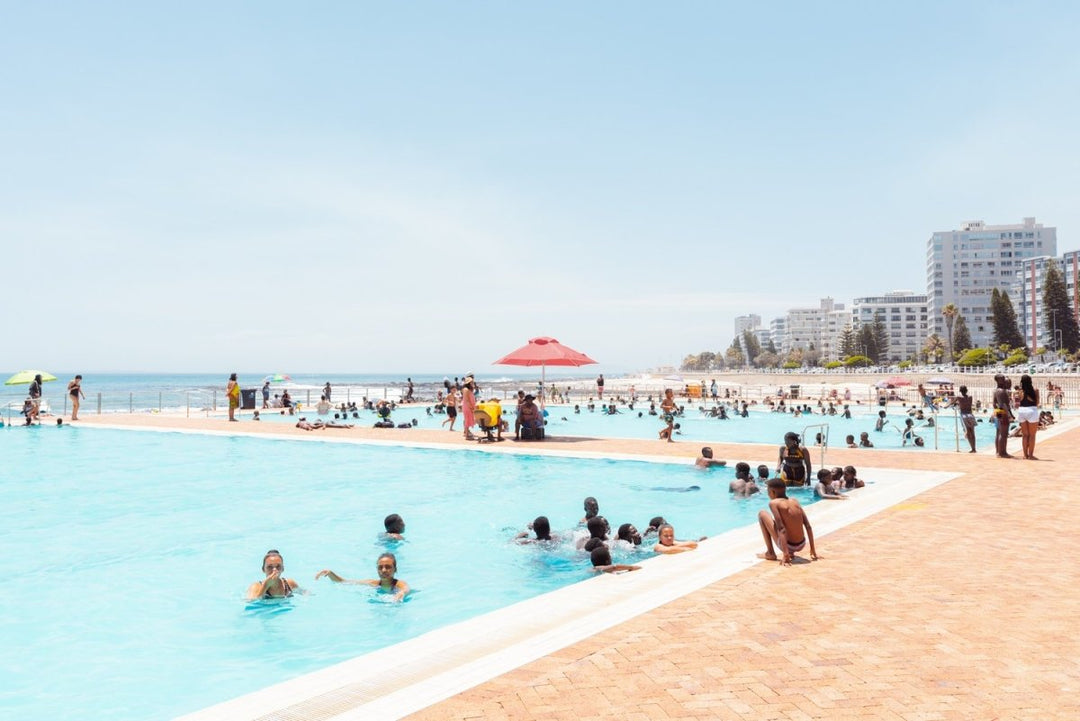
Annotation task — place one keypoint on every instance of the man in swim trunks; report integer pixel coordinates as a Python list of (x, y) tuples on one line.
[(963, 402), (707, 461), (1002, 416), (794, 462), (667, 408), (743, 486), (784, 524)]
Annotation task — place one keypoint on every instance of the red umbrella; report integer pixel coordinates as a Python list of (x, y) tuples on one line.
[(898, 381), (544, 352)]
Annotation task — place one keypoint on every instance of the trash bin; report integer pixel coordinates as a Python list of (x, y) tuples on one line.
[(247, 398), (794, 391)]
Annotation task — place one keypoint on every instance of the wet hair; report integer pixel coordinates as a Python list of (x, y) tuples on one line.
[(394, 523), (742, 470), (660, 530), (919, 441), (656, 522), (763, 471), (597, 527), (824, 474), (594, 543), (849, 469), (272, 552), (542, 527), (624, 533), (600, 556), (592, 507), (707, 452), (778, 485), (389, 555)]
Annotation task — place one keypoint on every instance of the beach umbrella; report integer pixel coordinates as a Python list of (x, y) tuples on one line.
[(898, 381), (27, 377), (544, 352), (939, 381), (277, 378)]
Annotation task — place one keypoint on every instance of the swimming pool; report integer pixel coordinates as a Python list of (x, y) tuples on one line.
[(128, 555), (758, 427)]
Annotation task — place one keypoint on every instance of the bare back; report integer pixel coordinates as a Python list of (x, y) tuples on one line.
[(789, 514)]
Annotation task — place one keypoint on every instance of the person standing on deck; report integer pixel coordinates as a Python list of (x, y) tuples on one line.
[(74, 390), (232, 392), (600, 387)]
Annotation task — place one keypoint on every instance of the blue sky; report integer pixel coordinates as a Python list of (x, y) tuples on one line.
[(357, 186)]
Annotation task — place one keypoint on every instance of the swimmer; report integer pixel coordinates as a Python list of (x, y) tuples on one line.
[(763, 473), (882, 421), (785, 524), (794, 462), (601, 562), (592, 508), (541, 527), (395, 527), (386, 565), (669, 545), (743, 485), (654, 526), (850, 440), (274, 585), (707, 461), (668, 407), (864, 440), (825, 489), (629, 534), (849, 479)]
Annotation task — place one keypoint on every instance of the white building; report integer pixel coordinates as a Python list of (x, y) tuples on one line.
[(746, 322), (904, 313), (963, 267), (1037, 326), (818, 327)]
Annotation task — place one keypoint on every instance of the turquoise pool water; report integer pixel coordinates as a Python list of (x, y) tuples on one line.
[(128, 554), (757, 427)]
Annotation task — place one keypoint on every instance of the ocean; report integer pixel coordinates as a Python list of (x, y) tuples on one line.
[(199, 392)]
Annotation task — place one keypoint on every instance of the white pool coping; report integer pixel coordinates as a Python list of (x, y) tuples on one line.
[(407, 677)]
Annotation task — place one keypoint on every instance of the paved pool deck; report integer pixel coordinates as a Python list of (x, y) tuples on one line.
[(962, 602)]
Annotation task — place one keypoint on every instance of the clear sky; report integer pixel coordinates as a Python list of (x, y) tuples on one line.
[(362, 186)]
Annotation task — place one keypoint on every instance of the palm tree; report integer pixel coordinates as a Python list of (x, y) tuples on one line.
[(934, 348), (950, 312)]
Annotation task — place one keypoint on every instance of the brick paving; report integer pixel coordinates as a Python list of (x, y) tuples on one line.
[(958, 604)]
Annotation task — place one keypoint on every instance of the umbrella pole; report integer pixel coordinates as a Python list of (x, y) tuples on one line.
[(543, 376)]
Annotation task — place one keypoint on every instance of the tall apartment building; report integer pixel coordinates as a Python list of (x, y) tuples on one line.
[(963, 267), (904, 313), (1037, 326)]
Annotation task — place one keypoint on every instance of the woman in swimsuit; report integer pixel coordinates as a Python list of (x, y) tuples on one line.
[(468, 407), (274, 585), (1028, 415), (386, 565), (75, 391), (794, 462)]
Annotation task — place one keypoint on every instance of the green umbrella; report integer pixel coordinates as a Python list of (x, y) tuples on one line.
[(27, 377)]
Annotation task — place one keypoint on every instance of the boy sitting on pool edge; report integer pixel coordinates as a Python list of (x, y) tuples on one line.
[(785, 524)]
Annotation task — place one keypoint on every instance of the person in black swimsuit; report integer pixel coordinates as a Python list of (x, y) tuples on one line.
[(794, 463), (274, 585), (386, 565), (75, 391)]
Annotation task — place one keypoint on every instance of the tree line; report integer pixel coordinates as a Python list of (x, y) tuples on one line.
[(868, 343)]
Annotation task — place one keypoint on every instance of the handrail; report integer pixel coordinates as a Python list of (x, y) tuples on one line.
[(824, 442)]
